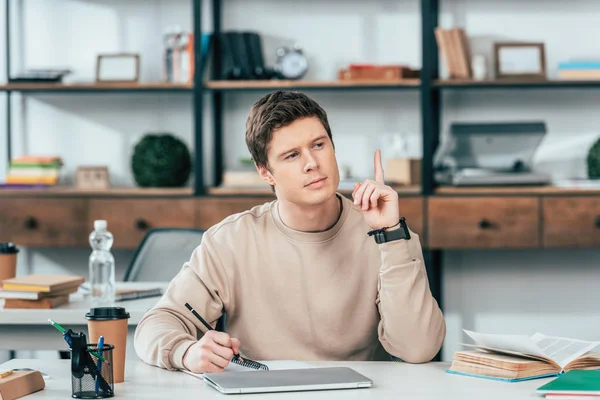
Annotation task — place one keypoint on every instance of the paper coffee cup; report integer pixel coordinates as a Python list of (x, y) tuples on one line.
[(8, 261), (110, 322)]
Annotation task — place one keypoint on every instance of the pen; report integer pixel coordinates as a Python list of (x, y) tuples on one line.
[(210, 328), (100, 347), (68, 339)]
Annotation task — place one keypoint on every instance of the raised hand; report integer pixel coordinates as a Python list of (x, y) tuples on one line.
[(377, 201)]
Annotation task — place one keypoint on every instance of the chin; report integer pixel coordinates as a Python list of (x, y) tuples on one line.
[(315, 197)]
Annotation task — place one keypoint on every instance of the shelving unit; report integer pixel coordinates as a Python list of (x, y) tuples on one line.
[(96, 87)]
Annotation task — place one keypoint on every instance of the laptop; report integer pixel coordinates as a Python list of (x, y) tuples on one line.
[(288, 380)]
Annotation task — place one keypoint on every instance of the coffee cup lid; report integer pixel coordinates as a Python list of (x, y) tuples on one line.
[(8, 248), (106, 313)]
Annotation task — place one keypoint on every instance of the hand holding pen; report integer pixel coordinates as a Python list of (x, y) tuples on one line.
[(213, 352)]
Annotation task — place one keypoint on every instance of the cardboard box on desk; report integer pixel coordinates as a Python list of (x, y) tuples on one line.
[(403, 171), (17, 384)]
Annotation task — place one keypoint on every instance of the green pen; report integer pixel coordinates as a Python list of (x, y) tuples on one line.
[(68, 340)]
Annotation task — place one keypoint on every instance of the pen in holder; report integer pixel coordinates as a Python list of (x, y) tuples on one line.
[(91, 378)]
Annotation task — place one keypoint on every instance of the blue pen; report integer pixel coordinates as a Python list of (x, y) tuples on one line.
[(100, 347)]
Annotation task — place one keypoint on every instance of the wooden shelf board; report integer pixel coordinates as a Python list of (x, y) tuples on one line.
[(301, 84), (514, 190), (92, 86), (234, 191), (515, 83), (113, 192)]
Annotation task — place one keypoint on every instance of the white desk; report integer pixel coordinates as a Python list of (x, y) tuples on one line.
[(390, 381), (30, 330)]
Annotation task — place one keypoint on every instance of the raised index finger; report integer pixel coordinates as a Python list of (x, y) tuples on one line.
[(378, 167)]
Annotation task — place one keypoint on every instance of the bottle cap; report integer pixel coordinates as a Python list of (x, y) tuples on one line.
[(100, 225)]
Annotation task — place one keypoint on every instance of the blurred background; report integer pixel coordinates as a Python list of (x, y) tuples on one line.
[(134, 111)]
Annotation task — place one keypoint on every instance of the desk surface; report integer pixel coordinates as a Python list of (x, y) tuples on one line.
[(73, 313), (391, 381)]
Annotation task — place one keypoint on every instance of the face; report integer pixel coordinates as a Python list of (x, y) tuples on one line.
[(302, 163)]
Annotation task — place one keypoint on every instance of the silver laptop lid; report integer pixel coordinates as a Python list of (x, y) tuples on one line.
[(287, 380)]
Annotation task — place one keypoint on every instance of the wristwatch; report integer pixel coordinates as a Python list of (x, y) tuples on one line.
[(383, 236)]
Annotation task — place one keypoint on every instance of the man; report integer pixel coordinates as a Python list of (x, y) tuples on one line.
[(300, 277)]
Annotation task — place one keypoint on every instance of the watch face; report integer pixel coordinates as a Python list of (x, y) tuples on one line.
[(293, 65)]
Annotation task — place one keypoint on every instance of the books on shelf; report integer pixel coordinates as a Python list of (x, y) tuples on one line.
[(455, 51), (515, 358), (32, 170), (579, 70), (39, 291)]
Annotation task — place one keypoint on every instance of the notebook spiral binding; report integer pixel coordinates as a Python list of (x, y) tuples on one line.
[(249, 363)]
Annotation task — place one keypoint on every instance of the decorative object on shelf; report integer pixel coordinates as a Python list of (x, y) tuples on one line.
[(92, 177), (377, 72), (585, 69), (161, 160), (40, 76), (454, 47), (291, 62), (520, 60), (178, 54), (593, 161), (118, 68), (401, 165), (479, 67)]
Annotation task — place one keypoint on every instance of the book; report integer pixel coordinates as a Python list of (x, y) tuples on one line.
[(45, 303), (28, 295), (573, 383), (42, 283), (515, 358)]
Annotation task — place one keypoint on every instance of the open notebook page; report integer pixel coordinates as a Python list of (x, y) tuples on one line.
[(273, 366), (563, 350)]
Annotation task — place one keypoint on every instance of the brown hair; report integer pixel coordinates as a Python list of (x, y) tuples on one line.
[(276, 110)]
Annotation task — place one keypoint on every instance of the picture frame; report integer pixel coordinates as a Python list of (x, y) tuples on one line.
[(92, 177), (520, 60), (118, 68)]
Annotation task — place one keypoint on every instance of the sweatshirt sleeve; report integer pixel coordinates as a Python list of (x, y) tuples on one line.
[(166, 331), (412, 326)]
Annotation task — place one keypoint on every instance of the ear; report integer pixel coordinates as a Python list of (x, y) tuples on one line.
[(265, 174)]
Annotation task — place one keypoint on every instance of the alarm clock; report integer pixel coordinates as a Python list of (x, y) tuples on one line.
[(291, 63)]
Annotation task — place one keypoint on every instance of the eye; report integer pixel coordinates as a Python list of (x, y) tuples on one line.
[(293, 155), (319, 145)]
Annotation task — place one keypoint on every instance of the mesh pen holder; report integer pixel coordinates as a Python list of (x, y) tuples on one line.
[(91, 377)]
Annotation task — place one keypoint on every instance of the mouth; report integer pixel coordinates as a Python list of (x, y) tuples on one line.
[(315, 182)]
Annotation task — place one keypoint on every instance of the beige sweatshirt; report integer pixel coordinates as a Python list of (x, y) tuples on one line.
[(332, 295)]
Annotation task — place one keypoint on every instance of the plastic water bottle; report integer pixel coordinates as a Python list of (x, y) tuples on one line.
[(102, 266)]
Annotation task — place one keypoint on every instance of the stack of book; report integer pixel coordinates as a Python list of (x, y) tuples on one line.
[(455, 51), (39, 291), (579, 70), (34, 171)]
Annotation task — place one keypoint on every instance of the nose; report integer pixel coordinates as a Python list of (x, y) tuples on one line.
[(311, 163)]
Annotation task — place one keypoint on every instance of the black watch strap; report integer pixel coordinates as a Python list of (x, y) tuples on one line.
[(384, 236)]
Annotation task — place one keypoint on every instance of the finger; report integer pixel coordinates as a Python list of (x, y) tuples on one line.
[(367, 196), (356, 186), (378, 167), (359, 193), (226, 353), (218, 360), (222, 338), (374, 199), (207, 366), (235, 345)]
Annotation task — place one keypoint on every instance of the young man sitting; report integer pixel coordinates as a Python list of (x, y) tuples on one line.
[(299, 277)]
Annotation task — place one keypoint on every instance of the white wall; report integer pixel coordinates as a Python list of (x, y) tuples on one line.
[(506, 291)]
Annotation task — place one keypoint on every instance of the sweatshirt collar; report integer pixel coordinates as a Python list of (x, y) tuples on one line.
[(311, 237)]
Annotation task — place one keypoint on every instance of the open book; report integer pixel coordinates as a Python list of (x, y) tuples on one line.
[(520, 357), (273, 366)]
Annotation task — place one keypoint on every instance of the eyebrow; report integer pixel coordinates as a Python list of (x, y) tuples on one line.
[(295, 148)]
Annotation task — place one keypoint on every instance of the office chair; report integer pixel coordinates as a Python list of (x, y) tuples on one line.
[(161, 254)]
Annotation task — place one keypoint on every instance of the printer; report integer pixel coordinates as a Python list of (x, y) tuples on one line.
[(490, 154)]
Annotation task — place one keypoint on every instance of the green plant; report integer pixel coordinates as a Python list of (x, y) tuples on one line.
[(593, 161), (160, 160)]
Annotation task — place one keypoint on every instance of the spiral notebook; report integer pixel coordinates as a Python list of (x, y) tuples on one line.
[(251, 365)]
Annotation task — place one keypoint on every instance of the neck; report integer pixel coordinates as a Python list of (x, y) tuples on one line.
[(315, 218)]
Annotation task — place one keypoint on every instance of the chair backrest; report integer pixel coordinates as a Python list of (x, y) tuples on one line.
[(162, 253)]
